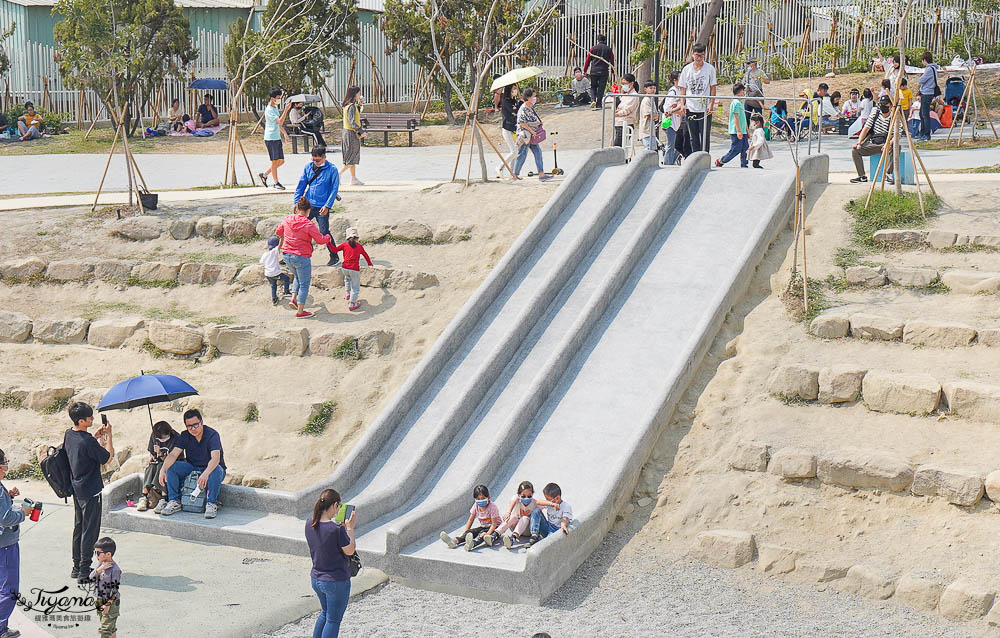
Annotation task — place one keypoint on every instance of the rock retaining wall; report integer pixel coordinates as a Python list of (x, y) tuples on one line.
[(938, 239), (919, 332)]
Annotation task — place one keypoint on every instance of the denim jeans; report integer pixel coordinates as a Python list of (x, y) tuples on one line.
[(925, 115), (323, 222), (522, 154), (274, 284), (352, 282), (301, 268), (30, 133), (333, 599), (737, 147), (10, 567), (670, 153), (180, 470), (541, 525)]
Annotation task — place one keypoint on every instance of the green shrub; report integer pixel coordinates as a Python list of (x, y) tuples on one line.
[(348, 350), (252, 415), (54, 121), (31, 471), (318, 422), (888, 210), (56, 406), (10, 402)]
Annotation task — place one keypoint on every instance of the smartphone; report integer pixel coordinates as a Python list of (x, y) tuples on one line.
[(344, 513), (104, 419)]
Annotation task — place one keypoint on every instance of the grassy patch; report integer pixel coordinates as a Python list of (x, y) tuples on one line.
[(202, 257), (818, 300), (790, 400), (100, 308), (56, 406), (252, 415), (944, 145), (887, 210), (221, 320), (31, 471), (348, 350), (30, 280), (847, 257), (10, 402), (240, 240), (994, 168), (150, 283), (393, 239), (317, 424), (152, 349), (173, 311), (936, 287), (970, 248)]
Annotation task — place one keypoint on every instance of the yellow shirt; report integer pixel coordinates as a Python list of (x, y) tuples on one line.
[(905, 97), (33, 120)]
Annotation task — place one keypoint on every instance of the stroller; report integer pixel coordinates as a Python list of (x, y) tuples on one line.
[(954, 89)]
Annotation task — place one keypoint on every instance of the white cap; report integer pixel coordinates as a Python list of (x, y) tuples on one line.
[(352, 232)]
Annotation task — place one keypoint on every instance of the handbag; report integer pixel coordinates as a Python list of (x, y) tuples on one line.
[(538, 136), (937, 89), (353, 563)]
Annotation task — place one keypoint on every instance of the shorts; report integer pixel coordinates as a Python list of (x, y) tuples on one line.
[(109, 621), (274, 149)]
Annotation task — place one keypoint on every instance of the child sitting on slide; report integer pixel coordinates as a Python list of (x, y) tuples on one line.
[(486, 515), (518, 517), (555, 514)]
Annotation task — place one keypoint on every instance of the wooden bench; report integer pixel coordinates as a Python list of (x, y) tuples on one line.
[(391, 123), (297, 135)]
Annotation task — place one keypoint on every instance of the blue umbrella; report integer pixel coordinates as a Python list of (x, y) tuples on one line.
[(209, 83), (145, 390)]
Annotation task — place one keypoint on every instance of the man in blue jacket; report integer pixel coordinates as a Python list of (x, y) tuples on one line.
[(10, 556), (320, 183)]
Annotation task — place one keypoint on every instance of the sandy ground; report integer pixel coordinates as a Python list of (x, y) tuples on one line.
[(497, 213)]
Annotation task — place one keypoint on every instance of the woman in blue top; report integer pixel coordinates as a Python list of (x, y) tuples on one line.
[(779, 119), (330, 543), (274, 132), (10, 558)]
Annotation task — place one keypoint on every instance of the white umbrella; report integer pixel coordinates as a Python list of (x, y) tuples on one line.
[(304, 97), (515, 76)]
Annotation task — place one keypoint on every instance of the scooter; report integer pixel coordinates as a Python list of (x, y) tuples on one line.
[(555, 160)]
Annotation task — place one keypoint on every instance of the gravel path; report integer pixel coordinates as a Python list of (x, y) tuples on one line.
[(631, 593)]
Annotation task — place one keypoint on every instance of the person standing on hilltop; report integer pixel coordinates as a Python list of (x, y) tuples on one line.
[(600, 59)]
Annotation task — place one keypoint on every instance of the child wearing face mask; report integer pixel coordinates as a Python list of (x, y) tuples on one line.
[(161, 441), (485, 515), (518, 517)]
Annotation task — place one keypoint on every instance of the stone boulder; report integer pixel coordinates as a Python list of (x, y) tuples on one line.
[(840, 384), (990, 337), (869, 582), (449, 232), (325, 343), (182, 228), (43, 398), (864, 326), (142, 228), (376, 277), (60, 330), (903, 393), (210, 226), (291, 342), (795, 381), (911, 277), (750, 456), (175, 337), (14, 327), (919, 591), (112, 270), (376, 343), (941, 239), (867, 276), (992, 485), (817, 572), (724, 548), (251, 275), (234, 340), (897, 236), (965, 600), (971, 282), (793, 463), (373, 232), (328, 278), (959, 486), (338, 228), (863, 469), (69, 270), (217, 274), (993, 241), (412, 280), (22, 269), (255, 480), (112, 333), (830, 326), (238, 228), (155, 271), (266, 227), (938, 334), (774, 559), (969, 399), (413, 230), (189, 273)]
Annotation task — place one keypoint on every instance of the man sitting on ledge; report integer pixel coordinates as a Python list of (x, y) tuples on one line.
[(203, 449)]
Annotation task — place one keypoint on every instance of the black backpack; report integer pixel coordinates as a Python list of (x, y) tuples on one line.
[(55, 467), (313, 118)]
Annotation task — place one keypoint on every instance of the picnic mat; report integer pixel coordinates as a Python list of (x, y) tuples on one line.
[(186, 133)]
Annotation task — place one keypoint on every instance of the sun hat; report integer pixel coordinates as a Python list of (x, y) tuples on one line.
[(352, 232)]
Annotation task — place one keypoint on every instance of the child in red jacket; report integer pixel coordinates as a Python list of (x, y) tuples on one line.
[(352, 267)]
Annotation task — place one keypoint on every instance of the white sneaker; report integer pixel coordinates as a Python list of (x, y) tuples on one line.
[(211, 510), (356, 182), (160, 506), (142, 505), (448, 540), (508, 541), (172, 508), (470, 542)]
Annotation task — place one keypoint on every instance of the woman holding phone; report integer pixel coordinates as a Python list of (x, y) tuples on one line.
[(330, 543)]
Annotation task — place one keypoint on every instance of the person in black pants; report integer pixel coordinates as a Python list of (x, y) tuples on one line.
[(86, 456), (600, 59)]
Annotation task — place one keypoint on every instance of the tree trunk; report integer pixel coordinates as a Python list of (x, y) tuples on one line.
[(644, 72), (705, 32), (446, 97), (482, 157)]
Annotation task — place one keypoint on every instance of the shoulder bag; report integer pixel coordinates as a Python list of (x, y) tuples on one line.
[(538, 136)]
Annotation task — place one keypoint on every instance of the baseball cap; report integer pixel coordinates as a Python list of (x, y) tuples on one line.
[(272, 241), (885, 100)]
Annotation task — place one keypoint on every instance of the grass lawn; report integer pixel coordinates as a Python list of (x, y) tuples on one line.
[(100, 142), (995, 168), (941, 144)]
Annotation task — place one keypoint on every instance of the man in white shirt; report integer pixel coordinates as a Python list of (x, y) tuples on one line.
[(698, 83)]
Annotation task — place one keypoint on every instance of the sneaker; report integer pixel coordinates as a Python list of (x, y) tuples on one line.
[(153, 499), (303, 314), (356, 182), (263, 178), (160, 506), (491, 538), (278, 187), (448, 540), (171, 508), (74, 573), (347, 297), (534, 539), (544, 178), (508, 541), (211, 510), (293, 304), (859, 180), (11, 633), (354, 306), (334, 260), (718, 164), (142, 505), (274, 301), (287, 293), (889, 180), (470, 542)]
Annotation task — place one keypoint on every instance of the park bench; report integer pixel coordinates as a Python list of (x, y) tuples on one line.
[(391, 123), (297, 135)]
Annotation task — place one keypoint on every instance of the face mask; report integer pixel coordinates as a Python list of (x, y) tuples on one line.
[(482, 502), (164, 440), (884, 109), (525, 501), (533, 100)]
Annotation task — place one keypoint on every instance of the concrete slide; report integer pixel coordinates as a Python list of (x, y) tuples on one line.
[(561, 368)]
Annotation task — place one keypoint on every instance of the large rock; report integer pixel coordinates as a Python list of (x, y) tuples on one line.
[(869, 582), (830, 326), (448, 232), (60, 330), (819, 572), (325, 343), (217, 274), (903, 393), (112, 270), (182, 228), (291, 342), (238, 229), (897, 236), (970, 399), (141, 228), (69, 270), (941, 239), (266, 227), (189, 273), (840, 383), (992, 485), (327, 279), (990, 337), (175, 337), (251, 275), (867, 276), (724, 548), (864, 326), (971, 281), (959, 486), (965, 600), (155, 271), (412, 280), (338, 227), (911, 277), (412, 229), (750, 456), (376, 277), (112, 333), (14, 327), (793, 463), (210, 226), (235, 340), (795, 381), (376, 343), (919, 591), (993, 241), (864, 469), (373, 231), (774, 559), (43, 398), (938, 334), (22, 269)]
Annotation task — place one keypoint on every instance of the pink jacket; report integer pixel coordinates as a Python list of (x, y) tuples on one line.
[(299, 233)]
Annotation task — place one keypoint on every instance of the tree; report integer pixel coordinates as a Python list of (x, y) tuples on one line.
[(308, 40), (4, 59), (134, 43)]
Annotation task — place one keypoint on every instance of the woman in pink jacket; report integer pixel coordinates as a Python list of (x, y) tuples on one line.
[(297, 234)]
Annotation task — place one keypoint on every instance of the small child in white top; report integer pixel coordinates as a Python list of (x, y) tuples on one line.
[(759, 149), (486, 515), (272, 269), (555, 514), (518, 517)]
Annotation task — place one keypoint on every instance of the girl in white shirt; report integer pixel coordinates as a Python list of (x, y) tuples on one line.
[(518, 517)]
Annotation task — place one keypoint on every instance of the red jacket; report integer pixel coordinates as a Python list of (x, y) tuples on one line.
[(299, 233), (352, 255)]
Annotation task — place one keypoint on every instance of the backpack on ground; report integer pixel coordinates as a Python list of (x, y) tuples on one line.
[(55, 468)]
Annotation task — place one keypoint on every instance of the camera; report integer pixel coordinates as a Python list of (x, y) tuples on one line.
[(36, 509)]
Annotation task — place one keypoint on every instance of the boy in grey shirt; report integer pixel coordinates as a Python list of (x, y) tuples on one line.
[(107, 581), (579, 93)]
